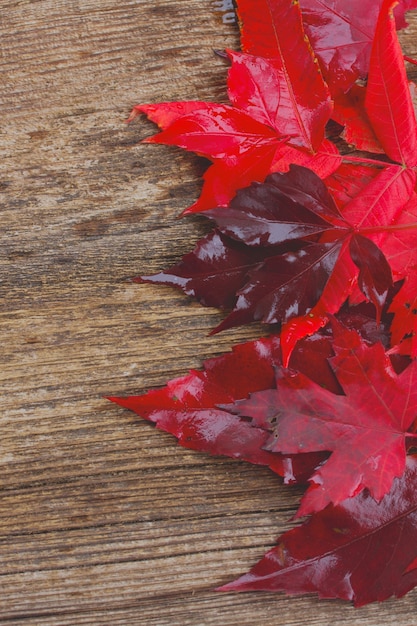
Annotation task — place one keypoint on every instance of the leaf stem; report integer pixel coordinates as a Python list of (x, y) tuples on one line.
[(364, 160), (382, 229)]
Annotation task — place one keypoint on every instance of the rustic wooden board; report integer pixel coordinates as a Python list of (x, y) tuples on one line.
[(104, 520)]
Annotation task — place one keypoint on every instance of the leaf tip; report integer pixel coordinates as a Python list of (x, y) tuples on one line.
[(135, 112), (296, 329)]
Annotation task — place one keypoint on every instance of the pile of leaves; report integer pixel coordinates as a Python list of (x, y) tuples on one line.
[(312, 197)]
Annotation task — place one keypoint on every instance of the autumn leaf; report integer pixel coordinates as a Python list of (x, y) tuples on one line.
[(213, 272), (360, 550), (388, 100), (349, 112), (377, 213), (188, 407), (303, 236), (404, 325), (325, 253), (278, 112), (349, 180), (366, 428), (340, 32)]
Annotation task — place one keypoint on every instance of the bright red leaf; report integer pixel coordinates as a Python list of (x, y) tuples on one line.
[(338, 239), (280, 109), (349, 112), (340, 32), (388, 99), (404, 325), (348, 181)]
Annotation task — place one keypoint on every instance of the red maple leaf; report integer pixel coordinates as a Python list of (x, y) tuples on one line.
[(388, 100), (404, 325), (354, 256), (282, 249), (366, 428), (188, 407), (297, 249), (278, 112), (360, 550), (341, 33), (381, 208)]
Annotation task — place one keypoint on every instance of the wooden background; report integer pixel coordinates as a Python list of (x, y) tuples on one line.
[(104, 520)]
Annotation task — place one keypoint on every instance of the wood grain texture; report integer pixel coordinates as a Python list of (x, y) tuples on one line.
[(104, 520)]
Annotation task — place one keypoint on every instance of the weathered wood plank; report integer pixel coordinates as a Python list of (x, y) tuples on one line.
[(104, 520)]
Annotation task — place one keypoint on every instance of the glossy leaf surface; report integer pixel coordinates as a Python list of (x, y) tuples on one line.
[(276, 119), (375, 276), (326, 255), (188, 407), (359, 550), (304, 236), (377, 213), (365, 428), (214, 272), (340, 32), (349, 112), (388, 99), (286, 207)]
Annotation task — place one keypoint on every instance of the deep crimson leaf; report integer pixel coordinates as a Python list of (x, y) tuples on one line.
[(188, 407), (388, 99), (258, 284), (286, 207), (284, 286), (375, 213), (365, 429), (245, 268), (360, 550), (375, 276), (214, 272)]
